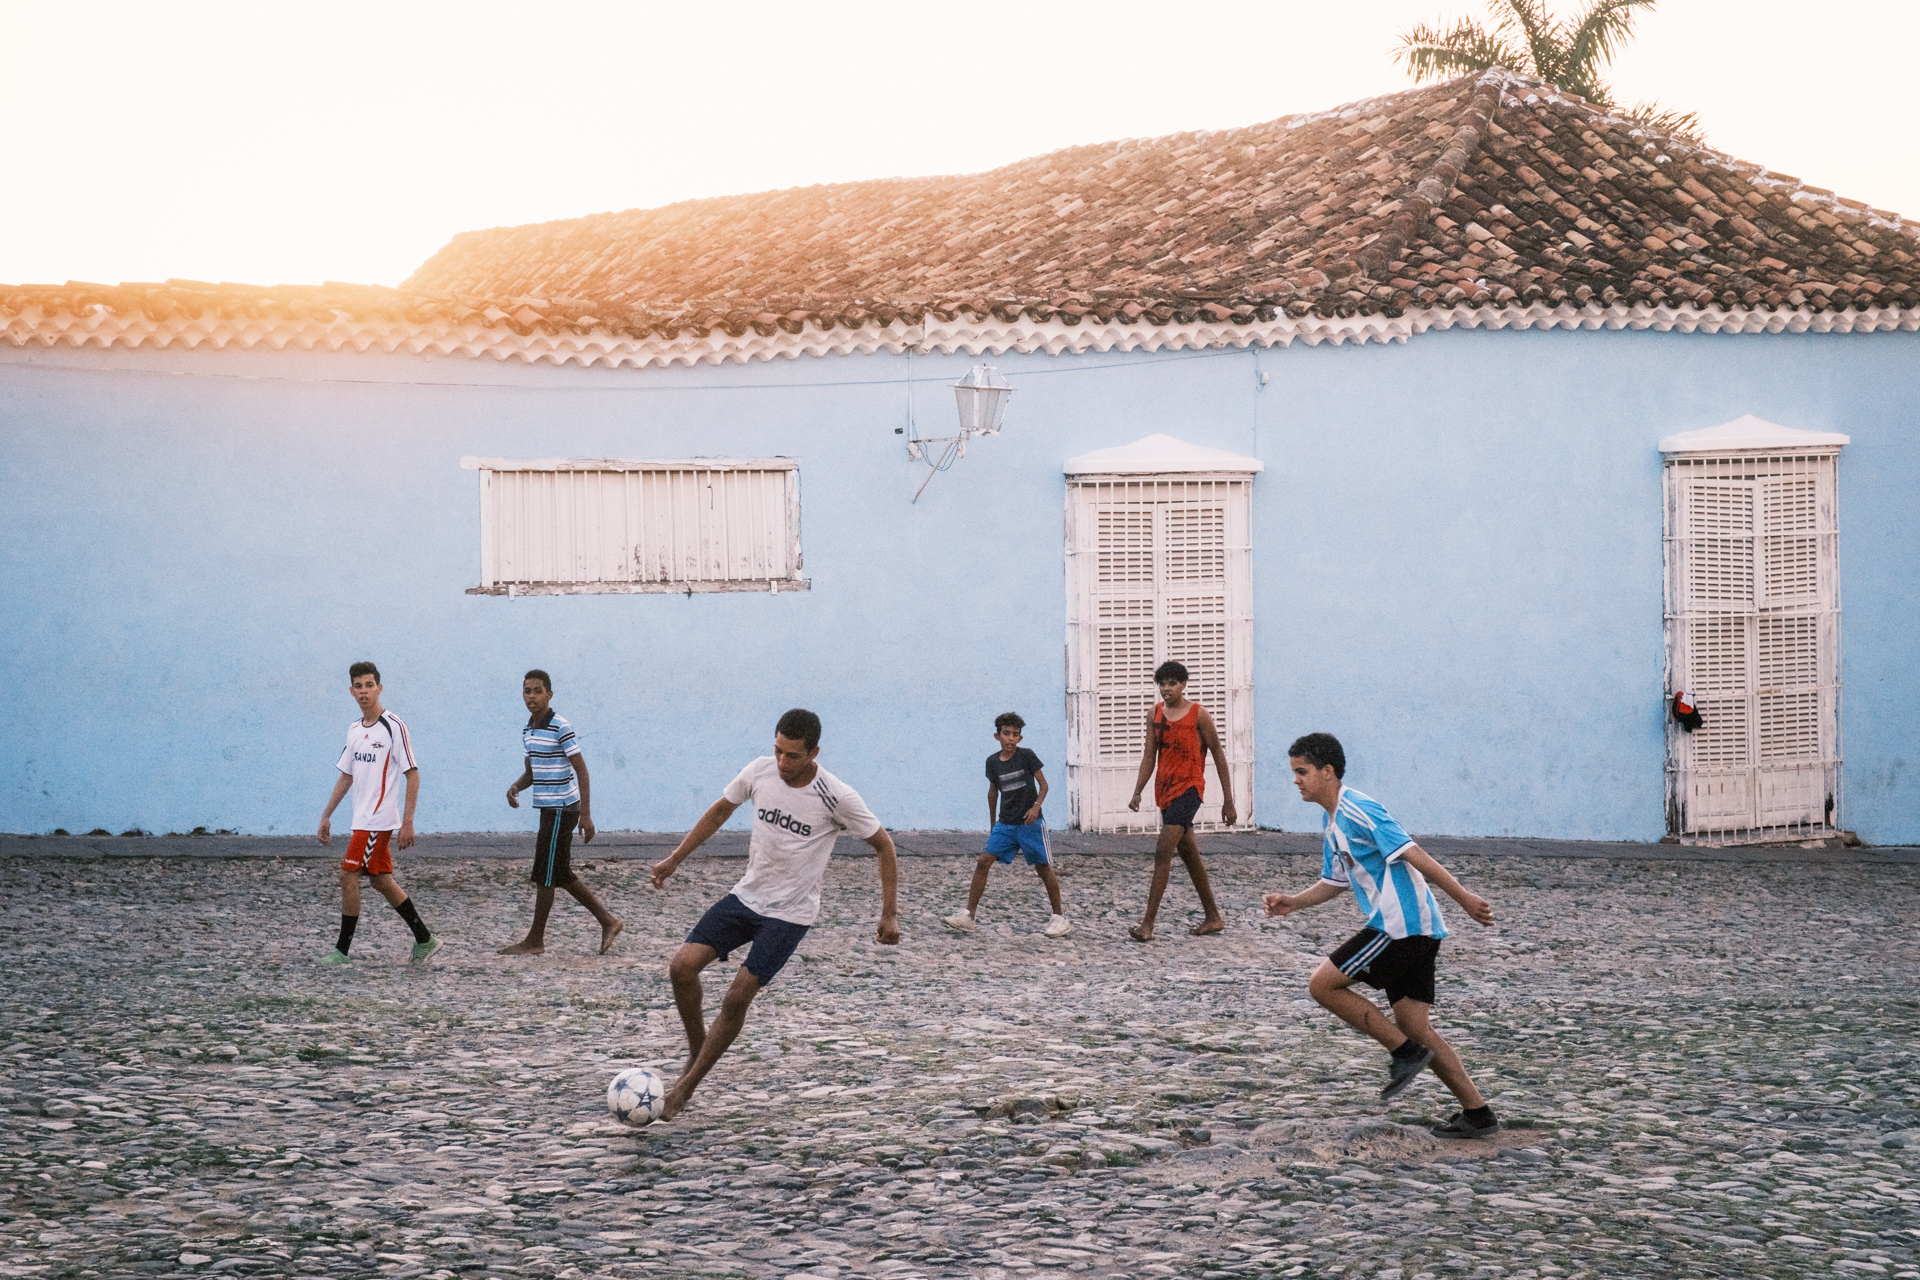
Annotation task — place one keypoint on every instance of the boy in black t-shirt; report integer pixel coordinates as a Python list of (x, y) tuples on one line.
[(1016, 784)]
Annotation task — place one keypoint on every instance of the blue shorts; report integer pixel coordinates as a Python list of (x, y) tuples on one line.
[(1006, 839), (729, 923), (1183, 809)]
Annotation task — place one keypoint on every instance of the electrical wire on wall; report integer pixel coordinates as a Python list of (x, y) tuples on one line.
[(915, 449)]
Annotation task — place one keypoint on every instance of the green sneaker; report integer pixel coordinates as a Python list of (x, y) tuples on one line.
[(336, 956), (421, 950)]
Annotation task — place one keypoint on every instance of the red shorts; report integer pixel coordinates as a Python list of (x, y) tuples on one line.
[(368, 851)]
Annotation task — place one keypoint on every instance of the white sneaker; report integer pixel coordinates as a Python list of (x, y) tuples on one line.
[(1057, 927), (959, 922)]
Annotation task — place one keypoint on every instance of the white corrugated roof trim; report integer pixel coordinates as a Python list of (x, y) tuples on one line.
[(1749, 432), (106, 329), (1160, 455)]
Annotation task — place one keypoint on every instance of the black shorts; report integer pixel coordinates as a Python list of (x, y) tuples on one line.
[(1402, 967), (1181, 812), (553, 848), (729, 924)]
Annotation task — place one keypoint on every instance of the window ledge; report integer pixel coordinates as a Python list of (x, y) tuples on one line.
[(769, 586)]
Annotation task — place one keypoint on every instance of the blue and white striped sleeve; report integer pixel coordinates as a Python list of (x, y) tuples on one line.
[(1383, 833), (564, 736), (1388, 836)]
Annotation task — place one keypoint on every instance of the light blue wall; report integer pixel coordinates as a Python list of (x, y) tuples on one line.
[(1456, 559)]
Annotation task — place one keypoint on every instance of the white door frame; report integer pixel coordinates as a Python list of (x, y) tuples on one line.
[(1175, 581), (1751, 531)]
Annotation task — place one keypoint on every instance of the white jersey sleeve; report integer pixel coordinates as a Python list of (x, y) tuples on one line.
[(740, 790), (851, 814), (402, 744)]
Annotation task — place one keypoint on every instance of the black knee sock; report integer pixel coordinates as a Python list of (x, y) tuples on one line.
[(412, 917), (347, 926)]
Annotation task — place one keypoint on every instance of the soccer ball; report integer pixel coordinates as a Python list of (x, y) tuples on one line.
[(636, 1096)]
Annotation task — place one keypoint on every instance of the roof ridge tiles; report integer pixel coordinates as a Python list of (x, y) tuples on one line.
[(1437, 183), (1494, 193)]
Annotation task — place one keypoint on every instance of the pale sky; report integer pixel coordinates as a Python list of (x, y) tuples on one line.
[(270, 143)]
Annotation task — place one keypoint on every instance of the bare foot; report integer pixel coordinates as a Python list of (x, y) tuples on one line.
[(1207, 928), (1139, 934), (608, 932), (673, 1103), (524, 949)]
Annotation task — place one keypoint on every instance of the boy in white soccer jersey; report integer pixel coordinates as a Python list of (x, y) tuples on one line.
[(556, 772), (378, 764), (1364, 849), (799, 811), (1017, 784)]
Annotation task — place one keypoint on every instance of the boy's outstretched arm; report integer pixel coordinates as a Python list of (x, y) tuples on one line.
[(711, 821), (1285, 904), (889, 931), (1423, 862)]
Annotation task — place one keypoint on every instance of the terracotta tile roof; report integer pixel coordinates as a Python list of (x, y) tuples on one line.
[(1496, 202), (1533, 195)]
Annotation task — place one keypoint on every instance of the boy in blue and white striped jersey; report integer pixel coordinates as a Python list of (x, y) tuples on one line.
[(556, 772), (1363, 849)]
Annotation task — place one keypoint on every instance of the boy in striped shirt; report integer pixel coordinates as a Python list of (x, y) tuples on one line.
[(556, 772), (1363, 849)]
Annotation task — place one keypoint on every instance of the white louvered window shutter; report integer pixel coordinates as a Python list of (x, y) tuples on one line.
[(1753, 639), (564, 526)]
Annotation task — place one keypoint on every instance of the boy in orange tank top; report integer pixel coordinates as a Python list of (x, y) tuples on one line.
[(1180, 735)]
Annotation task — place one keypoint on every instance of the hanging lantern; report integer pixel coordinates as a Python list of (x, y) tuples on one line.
[(982, 397)]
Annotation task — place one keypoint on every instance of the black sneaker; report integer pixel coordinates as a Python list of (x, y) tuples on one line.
[(1402, 1071), (1458, 1126)]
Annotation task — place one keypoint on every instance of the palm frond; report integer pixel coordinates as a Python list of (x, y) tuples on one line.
[(1431, 53), (1678, 124), (1603, 29), (1534, 24)]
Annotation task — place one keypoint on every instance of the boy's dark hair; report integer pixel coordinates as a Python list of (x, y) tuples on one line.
[(1008, 719), (541, 676), (1170, 670), (359, 669), (1321, 750), (800, 725)]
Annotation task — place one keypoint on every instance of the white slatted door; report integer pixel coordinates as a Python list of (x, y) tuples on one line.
[(1157, 570), (1753, 637)]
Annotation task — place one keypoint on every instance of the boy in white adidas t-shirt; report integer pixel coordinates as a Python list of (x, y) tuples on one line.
[(799, 811), (378, 765)]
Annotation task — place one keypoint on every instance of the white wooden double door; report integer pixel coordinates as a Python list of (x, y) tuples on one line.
[(1753, 637), (1158, 568)]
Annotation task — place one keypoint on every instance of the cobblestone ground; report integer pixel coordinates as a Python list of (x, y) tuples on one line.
[(1707, 1068)]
